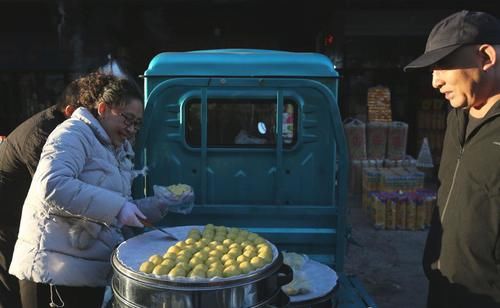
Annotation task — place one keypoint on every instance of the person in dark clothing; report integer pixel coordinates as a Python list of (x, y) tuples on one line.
[(19, 155), (462, 252)]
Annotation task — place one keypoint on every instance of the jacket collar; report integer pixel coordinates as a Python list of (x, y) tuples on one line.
[(124, 154), (495, 110), (463, 114), (84, 115)]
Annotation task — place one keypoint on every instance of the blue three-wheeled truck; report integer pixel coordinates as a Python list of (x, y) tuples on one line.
[(259, 137)]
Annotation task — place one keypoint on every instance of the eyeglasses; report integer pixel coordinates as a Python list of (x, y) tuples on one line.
[(130, 120)]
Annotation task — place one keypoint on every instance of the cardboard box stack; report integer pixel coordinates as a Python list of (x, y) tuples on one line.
[(374, 144), (379, 104), (391, 187), (356, 141)]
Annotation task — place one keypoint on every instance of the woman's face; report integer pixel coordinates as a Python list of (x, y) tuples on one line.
[(122, 122)]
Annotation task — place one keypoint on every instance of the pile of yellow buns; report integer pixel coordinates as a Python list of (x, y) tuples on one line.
[(217, 251)]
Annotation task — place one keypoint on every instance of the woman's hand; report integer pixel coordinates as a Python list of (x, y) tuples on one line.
[(128, 215), (153, 207)]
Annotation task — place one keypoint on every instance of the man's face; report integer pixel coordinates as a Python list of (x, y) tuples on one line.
[(458, 77)]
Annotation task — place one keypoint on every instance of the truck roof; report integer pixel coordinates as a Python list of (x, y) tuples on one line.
[(241, 63)]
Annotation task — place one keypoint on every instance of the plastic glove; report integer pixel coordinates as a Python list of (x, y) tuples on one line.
[(154, 208), (128, 215)]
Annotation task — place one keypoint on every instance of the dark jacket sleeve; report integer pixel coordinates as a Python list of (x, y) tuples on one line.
[(34, 146), (35, 131)]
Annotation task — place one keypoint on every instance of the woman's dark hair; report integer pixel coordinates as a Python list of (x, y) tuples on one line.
[(83, 91), (88, 91), (119, 92)]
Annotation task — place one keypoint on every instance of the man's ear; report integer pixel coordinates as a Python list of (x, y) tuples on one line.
[(488, 56), (68, 111), (101, 108)]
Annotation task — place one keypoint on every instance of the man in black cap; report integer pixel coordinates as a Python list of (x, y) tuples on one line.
[(462, 253)]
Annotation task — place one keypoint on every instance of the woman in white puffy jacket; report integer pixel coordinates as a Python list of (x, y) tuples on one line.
[(79, 199)]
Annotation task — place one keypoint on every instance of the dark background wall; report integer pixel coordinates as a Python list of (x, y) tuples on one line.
[(45, 44)]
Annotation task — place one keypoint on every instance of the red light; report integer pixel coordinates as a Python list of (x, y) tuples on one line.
[(328, 40)]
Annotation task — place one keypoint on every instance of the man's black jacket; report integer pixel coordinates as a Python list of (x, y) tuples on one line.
[(463, 244), (19, 155)]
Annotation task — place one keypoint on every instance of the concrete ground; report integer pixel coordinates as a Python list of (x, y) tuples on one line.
[(387, 262)]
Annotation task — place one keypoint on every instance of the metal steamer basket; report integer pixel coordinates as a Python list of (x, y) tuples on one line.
[(259, 289)]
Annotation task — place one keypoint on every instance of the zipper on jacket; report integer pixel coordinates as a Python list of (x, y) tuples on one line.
[(437, 263), (452, 183), (466, 138)]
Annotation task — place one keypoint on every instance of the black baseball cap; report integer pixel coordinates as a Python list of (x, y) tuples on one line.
[(459, 29)]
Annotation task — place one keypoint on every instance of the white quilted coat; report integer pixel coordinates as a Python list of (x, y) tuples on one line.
[(68, 226)]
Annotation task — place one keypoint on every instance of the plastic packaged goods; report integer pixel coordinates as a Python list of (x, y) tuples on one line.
[(295, 260), (355, 131), (390, 213), (399, 180), (411, 213), (367, 201), (378, 211), (406, 180), (424, 159), (411, 180), (388, 180), (390, 163), (385, 180), (392, 179), (401, 211), (410, 161), (179, 197), (376, 140), (397, 134), (300, 283), (370, 184), (371, 179), (417, 178), (395, 179)]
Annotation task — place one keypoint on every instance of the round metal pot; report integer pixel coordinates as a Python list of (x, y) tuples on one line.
[(132, 289)]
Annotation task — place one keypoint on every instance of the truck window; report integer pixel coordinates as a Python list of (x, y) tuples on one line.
[(240, 122)]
